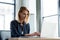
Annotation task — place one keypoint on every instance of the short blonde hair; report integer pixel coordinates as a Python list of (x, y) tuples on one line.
[(21, 10)]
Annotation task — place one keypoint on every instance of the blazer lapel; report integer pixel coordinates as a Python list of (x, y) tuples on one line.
[(19, 29), (24, 28)]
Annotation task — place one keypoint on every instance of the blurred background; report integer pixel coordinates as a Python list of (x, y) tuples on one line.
[(42, 12)]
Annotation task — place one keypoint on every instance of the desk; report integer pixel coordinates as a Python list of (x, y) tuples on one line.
[(34, 38)]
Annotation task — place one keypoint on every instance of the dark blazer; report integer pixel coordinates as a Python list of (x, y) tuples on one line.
[(16, 29)]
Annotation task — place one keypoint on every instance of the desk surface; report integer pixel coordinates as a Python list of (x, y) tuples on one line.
[(34, 38)]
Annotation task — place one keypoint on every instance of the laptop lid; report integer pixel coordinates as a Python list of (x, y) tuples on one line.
[(49, 29)]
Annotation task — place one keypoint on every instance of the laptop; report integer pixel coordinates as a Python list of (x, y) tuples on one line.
[(49, 30)]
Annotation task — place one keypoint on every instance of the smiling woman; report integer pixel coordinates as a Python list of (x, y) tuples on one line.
[(23, 14), (20, 27)]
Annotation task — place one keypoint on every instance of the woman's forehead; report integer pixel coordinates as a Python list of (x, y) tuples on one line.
[(25, 12)]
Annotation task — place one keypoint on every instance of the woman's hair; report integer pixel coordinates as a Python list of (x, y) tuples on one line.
[(22, 9)]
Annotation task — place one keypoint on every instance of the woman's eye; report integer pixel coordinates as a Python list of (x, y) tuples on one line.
[(27, 14), (23, 13)]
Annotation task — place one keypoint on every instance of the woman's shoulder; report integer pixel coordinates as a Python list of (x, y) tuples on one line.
[(14, 24), (14, 21), (27, 24)]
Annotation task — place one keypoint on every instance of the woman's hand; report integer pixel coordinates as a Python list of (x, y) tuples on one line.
[(26, 20), (33, 34), (37, 34)]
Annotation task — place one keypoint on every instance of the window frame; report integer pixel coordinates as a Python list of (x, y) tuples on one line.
[(14, 4)]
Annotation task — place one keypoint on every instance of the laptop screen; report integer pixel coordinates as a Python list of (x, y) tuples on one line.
[(49, 29)]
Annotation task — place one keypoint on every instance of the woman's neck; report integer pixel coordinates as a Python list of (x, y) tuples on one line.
[(21, 21)]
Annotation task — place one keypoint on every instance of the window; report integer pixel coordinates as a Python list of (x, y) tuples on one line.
[(49, 11), (6, 13), (50, 7), (7, 1)]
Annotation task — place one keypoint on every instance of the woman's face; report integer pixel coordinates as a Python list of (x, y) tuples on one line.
[(24, 15)]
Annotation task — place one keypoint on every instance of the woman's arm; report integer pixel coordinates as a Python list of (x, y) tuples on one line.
[(29, 34), (14, 32), (32, 34)]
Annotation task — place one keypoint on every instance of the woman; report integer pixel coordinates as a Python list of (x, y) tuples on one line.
[(21, 27)]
